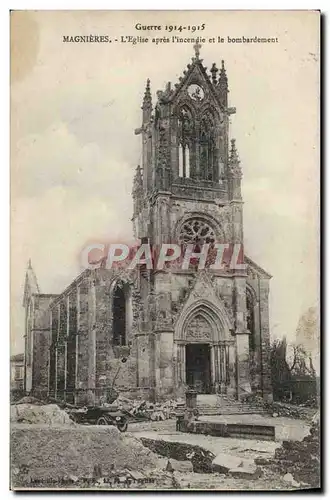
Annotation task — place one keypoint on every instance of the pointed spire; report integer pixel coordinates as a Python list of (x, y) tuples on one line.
[(214, 71), (234, 161), (138, 180), (31, 284), (147, 96), (233, 152), (223, 80)]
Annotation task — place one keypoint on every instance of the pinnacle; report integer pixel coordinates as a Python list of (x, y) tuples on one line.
[(233, 152), (147, 93)]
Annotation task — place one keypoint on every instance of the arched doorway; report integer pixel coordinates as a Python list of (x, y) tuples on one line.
[(204, 348), (199, 336)]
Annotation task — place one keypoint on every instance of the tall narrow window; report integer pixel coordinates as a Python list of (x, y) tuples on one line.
[(204, 160), (185, 133), (187, 161), (250, 321), (181, 160), (119, 316), (207, 148)]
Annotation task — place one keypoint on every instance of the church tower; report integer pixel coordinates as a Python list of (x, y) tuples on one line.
[(187, 155), (205, 329), (173, 328)]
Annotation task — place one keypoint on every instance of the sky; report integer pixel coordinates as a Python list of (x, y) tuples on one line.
[(74, 109)]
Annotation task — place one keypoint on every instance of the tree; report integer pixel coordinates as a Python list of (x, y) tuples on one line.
[(289, 365), (280, 371), (302, 365)]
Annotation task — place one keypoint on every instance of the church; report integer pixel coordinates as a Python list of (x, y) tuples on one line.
[(154, 333)]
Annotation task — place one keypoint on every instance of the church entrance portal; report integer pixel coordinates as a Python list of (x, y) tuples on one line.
[(198, 367)]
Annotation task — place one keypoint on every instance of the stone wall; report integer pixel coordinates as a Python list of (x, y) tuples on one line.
[(41, 343), (265, 343), (262, 379), (109, 365), (156, 304)]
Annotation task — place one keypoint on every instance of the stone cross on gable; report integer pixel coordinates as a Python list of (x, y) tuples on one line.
[(197, 48)]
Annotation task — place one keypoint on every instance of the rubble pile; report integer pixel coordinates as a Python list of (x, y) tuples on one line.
[(200, 458), (26, 413), (279, 409), (300, 460), (46, 453), (30, 400), (144, 410)]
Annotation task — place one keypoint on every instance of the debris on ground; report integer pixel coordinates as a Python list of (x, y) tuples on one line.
[(145, 410), (280, 409), (223, 463), (25, 413), (179, 465), (202, 461), (47, 453), (29, 400), (301, 459), (288, 478), (200, 458)]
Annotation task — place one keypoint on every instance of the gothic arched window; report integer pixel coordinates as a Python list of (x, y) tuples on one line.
[(250, 320), (207, 148), (120, 314), (185, 133)]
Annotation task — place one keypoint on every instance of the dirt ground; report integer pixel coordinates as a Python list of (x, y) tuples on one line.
[(285, 429), (50, 452), (54, 451)]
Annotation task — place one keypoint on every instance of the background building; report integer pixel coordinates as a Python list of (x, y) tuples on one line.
[(17, 372)]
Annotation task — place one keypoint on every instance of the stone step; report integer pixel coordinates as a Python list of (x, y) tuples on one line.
[(215, 404), (234, 411), (230, 409)]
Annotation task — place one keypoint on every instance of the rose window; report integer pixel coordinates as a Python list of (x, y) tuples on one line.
[(196, 231)]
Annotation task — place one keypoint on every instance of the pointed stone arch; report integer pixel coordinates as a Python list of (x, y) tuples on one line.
[(210, 109), (120, 311), (213, 315), (252, 316)]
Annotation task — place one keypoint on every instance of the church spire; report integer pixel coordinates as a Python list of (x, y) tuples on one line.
[(147, 104), (147, 101), (234, 173), (31, 284), (223, 80), (234, 161), (214, 71), (223, 85), (233, 157)]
